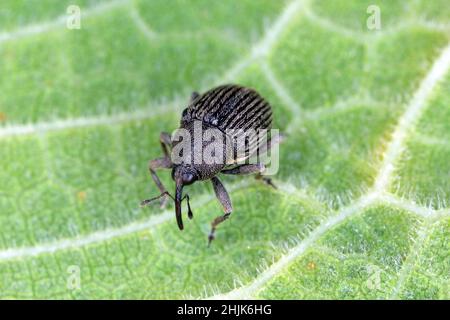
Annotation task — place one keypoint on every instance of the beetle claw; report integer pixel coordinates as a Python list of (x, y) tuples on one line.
[(266, 180), (163, 202), (211, 237)]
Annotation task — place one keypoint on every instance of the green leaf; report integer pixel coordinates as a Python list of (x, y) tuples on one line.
[(361, 210)]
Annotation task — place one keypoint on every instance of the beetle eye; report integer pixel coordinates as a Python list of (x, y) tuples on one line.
[(188, 178)]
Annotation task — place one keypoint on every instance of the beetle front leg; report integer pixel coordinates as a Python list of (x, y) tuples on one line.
[(152, 166), (225, 201)]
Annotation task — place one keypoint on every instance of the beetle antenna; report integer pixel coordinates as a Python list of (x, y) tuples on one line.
[(190, 214)]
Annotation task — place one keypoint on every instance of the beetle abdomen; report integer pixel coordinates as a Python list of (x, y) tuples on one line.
[(230, 107)]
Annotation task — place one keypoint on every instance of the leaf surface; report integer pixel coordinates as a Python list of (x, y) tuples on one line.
[(362, 205)]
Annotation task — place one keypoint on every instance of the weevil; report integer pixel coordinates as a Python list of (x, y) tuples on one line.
[(227, 108)]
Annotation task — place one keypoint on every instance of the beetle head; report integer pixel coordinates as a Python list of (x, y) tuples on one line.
[(183, 175)]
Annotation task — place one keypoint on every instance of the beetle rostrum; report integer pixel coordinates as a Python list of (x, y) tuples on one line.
[(223, 131)]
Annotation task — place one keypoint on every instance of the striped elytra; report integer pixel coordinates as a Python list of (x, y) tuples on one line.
[(230, 107)]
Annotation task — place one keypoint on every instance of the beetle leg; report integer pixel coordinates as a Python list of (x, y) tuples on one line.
[(224, 199), (244, 169), (152, 166), (248, 169), (194, 95), (148, 201), (166, 143)]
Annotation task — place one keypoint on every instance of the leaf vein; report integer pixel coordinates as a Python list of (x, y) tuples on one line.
[(42, 27)]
